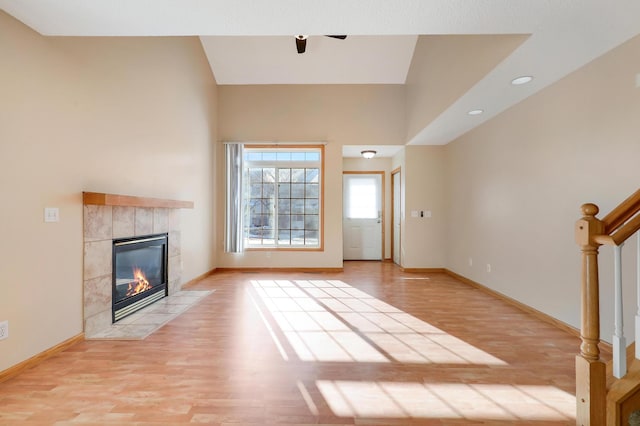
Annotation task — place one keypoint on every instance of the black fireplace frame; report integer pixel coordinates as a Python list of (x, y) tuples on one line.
[(125, 307)]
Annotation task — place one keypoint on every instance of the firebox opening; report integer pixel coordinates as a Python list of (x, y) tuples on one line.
[(139, 273)]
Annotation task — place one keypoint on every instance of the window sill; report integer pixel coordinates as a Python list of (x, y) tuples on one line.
[(284, 249)]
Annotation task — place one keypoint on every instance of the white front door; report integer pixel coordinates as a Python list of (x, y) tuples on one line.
[(362, 217)]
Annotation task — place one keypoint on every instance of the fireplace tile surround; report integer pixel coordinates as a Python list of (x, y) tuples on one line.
[(102, 224)]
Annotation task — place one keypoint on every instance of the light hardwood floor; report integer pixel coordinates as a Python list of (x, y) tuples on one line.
[(369, 346)]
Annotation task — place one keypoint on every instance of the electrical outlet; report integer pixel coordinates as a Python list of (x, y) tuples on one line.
[(4, 330), (470, 262), (488, 267)]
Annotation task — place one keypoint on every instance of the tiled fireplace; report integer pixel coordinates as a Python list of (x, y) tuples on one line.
[(105, 223)]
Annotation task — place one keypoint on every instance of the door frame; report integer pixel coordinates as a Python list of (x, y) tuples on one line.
[(395, 174), (382, 202)]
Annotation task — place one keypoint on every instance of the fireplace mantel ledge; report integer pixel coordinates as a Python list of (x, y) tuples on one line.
[(101, 199)]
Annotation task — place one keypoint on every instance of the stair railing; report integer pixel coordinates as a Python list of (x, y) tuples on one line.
[(591, 232)]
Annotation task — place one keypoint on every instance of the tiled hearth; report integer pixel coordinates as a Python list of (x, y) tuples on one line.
[(103, 223), (140, 324)]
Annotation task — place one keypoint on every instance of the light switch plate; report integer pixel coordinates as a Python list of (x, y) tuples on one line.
[(51, 214), (4, 330)]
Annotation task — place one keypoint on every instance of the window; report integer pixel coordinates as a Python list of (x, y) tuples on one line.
[(283, 197)]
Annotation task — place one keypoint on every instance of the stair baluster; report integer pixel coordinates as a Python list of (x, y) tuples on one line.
[(619, 341)]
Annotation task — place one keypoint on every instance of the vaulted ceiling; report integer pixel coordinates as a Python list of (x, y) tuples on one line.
[(252, 42)]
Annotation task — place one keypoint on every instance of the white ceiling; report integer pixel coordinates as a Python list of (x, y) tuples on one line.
[(565, 35), (275, 60), (355, 151)]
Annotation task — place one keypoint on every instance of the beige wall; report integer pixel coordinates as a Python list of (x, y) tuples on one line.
[(422, 238), (337, 115), (444, 67), (117, 115), (422, 174), (515, 185)]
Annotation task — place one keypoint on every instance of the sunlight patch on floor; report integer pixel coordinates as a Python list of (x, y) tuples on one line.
[(446, 401), (331, 321)]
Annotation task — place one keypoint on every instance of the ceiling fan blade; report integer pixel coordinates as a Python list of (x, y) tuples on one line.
[(301, 44), (341, 37)]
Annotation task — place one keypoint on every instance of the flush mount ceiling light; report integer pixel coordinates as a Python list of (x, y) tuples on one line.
[(475, 112), (368, 153), (521, 80)]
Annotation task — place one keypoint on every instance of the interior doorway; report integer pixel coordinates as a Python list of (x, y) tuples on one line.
[(363, 215)]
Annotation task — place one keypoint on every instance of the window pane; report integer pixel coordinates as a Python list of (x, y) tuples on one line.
[(284, 190), (284, 175), (297, 237), (362, 197), (255, 175), (312, 175), (311, 206), (284, 221), (297, 190), (255, 234), (268, 233), (297, 175), (261, 221), (297, 221), (269, 175), (297, 156), (268, 190), (312, 156), (253, 241), (297, 206), (268, 156), (284, 206), (311, 237), (253, 156), (255, 207), (311, 222), (284, 237), (255, 231), (311, 190), (283, 156), (268, 205), (256, 190)]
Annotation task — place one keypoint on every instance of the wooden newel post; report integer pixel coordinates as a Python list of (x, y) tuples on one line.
[(590, 370)]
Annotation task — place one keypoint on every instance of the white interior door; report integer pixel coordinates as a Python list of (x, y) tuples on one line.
[(395, 179), (362, 217)]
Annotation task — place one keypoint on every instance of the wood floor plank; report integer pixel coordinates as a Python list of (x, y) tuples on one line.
[(371, 345)]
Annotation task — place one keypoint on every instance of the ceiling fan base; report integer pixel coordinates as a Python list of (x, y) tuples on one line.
[(301, 41)]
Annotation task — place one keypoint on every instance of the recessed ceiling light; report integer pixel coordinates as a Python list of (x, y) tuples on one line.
[(521, 80), (475, 112)]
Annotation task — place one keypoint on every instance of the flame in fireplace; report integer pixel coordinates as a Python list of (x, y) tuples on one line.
[(139, 283)]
